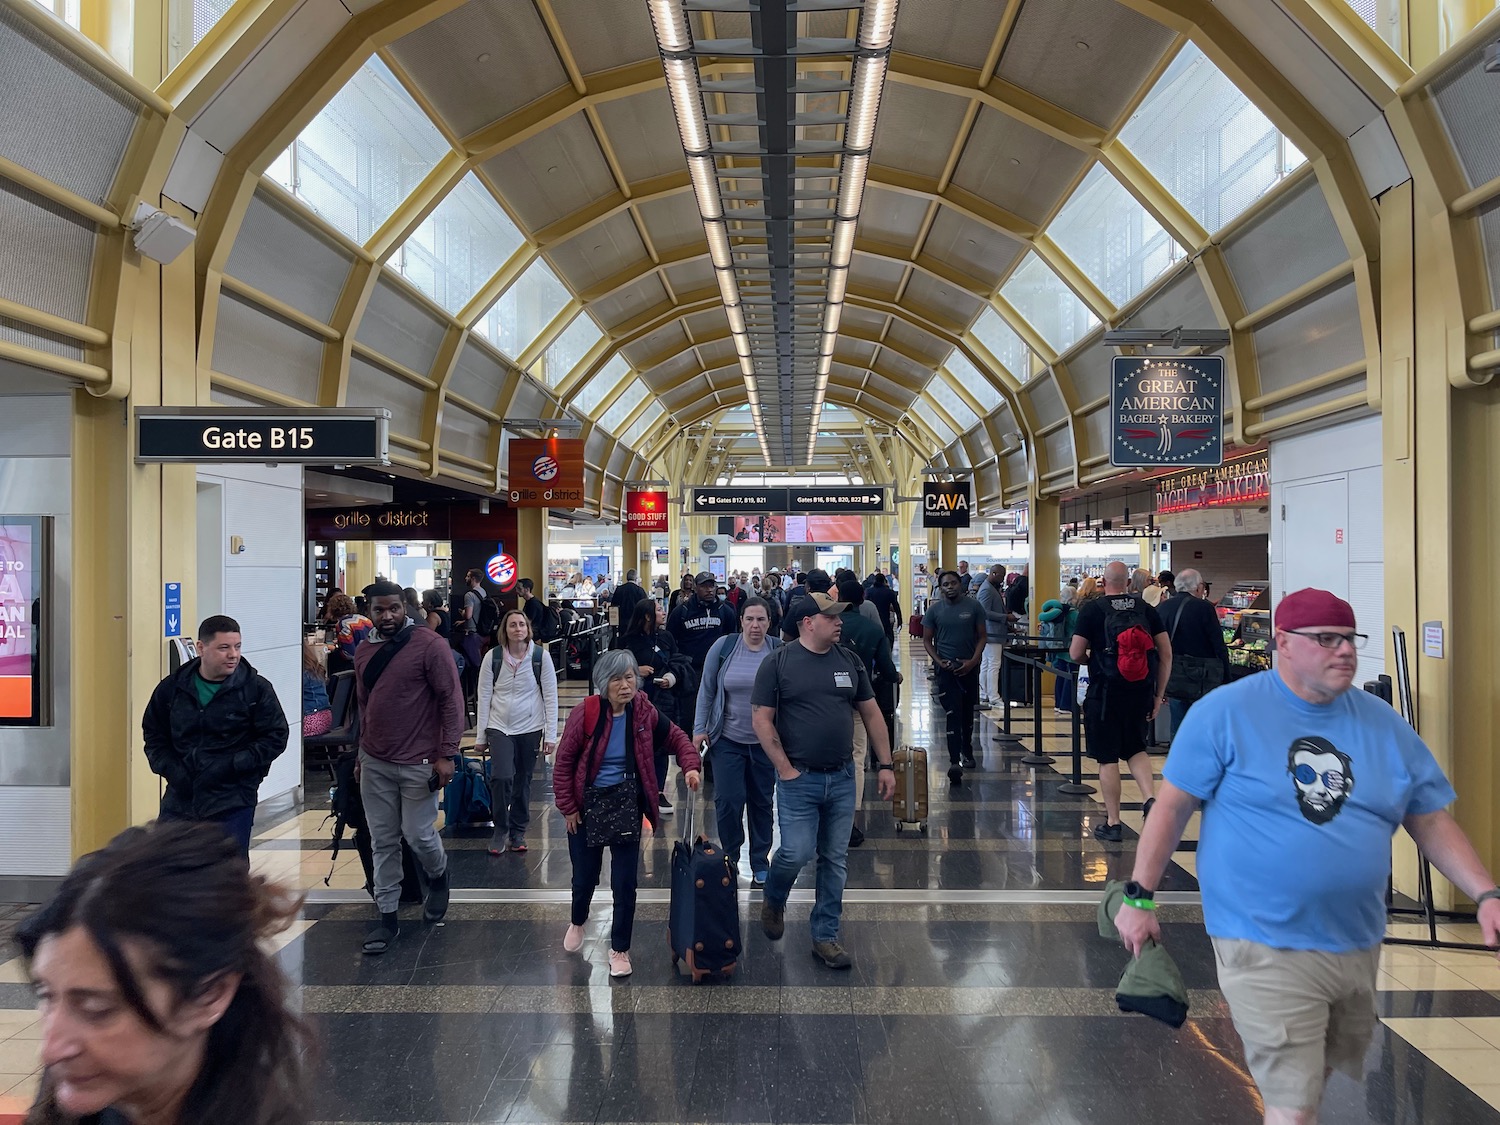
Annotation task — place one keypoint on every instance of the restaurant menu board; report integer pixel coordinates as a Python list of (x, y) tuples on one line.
[(22, 580)]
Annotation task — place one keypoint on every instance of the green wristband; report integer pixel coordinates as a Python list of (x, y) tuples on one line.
[(1140, 903)]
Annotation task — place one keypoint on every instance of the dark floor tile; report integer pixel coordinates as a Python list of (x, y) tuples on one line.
[(544, 1102), (817, 1099), (1015, 1103)]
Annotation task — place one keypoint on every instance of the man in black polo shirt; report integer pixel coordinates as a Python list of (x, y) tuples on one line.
[(803, 706)]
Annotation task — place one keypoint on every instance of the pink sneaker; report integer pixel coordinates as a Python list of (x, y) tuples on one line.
[(619, 964), (573, 939)]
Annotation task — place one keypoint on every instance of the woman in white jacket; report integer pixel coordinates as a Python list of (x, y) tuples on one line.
[(517, 715)]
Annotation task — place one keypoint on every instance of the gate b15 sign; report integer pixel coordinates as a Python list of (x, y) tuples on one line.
[(216, 435), (1166, 410)]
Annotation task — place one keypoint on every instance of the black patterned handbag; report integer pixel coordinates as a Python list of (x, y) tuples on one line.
[(612, 813)]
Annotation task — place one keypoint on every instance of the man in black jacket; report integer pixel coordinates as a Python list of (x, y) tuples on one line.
[(696, 623), (212, 730), (1192, 625), (884, 599), (626, 596)]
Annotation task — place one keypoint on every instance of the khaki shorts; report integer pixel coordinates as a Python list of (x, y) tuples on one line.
[(1300, 1013)]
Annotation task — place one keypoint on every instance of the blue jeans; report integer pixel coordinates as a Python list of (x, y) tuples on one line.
[(238, 823), (816, 812), (744, 778), (1179, 709)]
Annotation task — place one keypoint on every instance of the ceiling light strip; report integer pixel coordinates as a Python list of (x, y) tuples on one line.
[(877, 24), (674, 39)]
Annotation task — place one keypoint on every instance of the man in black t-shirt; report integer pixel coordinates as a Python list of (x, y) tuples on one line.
[(803, 706), (1117, 709)]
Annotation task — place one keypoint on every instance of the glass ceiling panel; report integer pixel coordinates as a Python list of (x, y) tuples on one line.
[(643, 425), (946, 397), (1002, 342), (1205, 141), (620, 409), (565, 352), (976, 382), (363, 154), (1112, 238), (523, 310), (945, 436), (1048, 305), (459, 247), (606, 379)]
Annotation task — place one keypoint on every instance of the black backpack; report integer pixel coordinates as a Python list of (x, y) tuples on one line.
[(489, 617), (1128, 643), (551, 623), (347, 811)]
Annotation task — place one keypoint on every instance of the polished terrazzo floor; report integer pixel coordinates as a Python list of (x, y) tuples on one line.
[(981, 990)]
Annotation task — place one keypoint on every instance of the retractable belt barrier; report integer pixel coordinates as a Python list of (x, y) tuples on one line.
[(1033, 656)]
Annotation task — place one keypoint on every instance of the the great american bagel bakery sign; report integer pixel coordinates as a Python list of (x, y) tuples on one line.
[(1166, 410)]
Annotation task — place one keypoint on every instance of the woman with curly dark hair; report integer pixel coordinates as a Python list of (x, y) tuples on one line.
[(158, 1003)]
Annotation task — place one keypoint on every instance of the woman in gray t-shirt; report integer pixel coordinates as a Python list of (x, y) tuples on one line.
[(744, 779)]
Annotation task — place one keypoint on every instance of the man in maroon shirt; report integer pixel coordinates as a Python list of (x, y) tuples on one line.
[(411, 719)]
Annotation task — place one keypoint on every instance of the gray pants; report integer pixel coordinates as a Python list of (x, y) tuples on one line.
[(399, 804), (512, 760)]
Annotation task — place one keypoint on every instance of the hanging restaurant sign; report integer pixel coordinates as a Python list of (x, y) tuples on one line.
[(946, 503), (545, 473), (1240, 484), (645, 512), (1166, 410), (262, 435)]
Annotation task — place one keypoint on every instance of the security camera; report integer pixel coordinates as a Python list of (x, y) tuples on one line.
[(1492, 58)]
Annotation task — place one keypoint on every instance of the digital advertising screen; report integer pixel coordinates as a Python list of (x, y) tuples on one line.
[(22, 582), (759, 529)]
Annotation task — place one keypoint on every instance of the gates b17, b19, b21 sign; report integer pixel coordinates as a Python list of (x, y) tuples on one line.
[(946, 503)]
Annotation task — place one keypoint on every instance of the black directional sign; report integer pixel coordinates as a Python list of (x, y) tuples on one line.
[(811, 499), (220, 435)]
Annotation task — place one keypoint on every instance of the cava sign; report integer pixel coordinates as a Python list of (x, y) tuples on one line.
[(223, 435)]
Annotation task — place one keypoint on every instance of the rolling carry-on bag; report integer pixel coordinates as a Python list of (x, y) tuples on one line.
[(909, 805), (703, 920)]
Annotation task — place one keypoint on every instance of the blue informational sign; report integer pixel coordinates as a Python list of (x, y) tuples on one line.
[(172, 598), (1166, 411)]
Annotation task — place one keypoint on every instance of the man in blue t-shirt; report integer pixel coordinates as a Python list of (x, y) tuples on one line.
[(1302, 783)]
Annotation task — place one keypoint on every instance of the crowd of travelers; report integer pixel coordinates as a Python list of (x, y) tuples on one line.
[(160, 1004)]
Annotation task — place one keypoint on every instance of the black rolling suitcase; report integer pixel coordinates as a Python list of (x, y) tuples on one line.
[(703, 921)]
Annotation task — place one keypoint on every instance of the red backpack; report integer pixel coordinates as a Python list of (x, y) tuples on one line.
[(1128, 643)]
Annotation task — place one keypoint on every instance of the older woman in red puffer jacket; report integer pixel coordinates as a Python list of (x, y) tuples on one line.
[(606, 772)]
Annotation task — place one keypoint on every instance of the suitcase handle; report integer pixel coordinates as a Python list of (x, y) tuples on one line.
[(690, 815)]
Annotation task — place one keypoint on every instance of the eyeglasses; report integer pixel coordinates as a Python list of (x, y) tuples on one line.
[(1333, 640)]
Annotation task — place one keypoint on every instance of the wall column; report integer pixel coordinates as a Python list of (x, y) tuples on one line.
[(948, 547), (630, 555), (1045, 558), (903, 536), (531, 547)]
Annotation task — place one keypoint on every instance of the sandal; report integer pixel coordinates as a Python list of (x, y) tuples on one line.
[(378, 937)]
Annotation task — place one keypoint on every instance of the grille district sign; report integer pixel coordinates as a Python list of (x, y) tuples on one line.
[(1166, 410), (545, 473)]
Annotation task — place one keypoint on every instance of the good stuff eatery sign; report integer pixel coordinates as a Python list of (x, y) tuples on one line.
[(1167, 410), (813, 499), (220, 435)]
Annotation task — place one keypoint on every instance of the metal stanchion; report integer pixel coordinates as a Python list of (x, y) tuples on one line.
[(1011, 741), (1037, 757), (1075, 784)]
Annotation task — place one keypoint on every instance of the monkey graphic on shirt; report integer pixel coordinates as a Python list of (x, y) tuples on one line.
[(1322, 776)]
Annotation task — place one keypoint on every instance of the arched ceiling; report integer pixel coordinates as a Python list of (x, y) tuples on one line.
[(1021, 184)]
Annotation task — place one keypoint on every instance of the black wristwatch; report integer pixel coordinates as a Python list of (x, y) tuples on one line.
[(885, 766), (1135, 890)]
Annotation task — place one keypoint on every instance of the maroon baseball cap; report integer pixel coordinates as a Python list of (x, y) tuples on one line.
[(1303, 609)]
